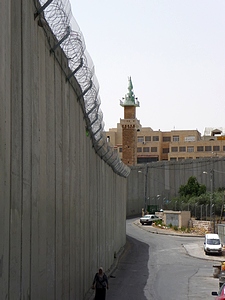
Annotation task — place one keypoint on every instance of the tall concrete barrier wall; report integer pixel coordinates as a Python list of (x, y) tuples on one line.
[(160, 181), (62, 208)]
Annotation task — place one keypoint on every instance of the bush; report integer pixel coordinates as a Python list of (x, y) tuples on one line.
[(158, 222)]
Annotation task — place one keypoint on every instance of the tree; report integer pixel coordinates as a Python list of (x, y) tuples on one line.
[(192, 188)]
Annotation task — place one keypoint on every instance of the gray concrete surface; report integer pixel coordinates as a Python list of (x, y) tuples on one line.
[(192, 249), (165, 178), (62, 208)]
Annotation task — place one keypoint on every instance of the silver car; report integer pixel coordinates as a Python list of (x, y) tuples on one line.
[(149, 219)]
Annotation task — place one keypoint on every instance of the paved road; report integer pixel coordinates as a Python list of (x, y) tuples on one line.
[(141, 274), (193, 249), (146, 271), (131, 274)]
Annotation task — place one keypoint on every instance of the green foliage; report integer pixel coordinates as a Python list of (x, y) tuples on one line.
[(192, 188), (158, 222)]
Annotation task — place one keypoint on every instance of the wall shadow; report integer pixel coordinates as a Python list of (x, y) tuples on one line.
[(131, 275)]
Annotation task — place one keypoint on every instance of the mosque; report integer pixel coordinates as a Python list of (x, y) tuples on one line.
[(139, 145)]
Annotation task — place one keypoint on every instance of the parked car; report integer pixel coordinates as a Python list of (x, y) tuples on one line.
[(221, 294), (212, 244), (149, 219)]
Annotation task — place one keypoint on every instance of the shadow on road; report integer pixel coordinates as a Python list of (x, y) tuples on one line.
[(131, 275)]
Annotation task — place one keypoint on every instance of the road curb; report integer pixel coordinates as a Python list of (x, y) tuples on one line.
[(157, 230)]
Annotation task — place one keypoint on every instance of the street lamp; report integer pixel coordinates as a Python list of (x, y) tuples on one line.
[(145, 187), (163, 203), (158, 199), (211, 194)]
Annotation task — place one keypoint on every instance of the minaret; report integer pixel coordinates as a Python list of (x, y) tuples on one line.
[(129, 127)]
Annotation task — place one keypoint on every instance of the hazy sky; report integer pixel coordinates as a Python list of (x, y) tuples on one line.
[(174, 51)]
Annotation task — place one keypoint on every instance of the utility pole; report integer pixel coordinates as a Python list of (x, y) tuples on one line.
[(211, 199), (146, 186)]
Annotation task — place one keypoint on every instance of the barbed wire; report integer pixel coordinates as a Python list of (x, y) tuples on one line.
[(58, 15)]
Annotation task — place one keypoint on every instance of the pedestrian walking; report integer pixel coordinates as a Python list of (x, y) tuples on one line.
[(100, 284)]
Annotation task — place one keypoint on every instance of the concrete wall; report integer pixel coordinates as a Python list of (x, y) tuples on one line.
[(62, 208), (165, 179), (172, 218), (177, 218)]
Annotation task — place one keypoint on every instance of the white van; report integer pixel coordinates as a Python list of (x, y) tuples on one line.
[(212, 244)]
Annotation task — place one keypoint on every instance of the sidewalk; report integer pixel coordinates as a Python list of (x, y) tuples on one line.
[(193, 249)]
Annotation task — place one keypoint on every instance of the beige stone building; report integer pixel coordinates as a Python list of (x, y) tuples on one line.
[(136, 144), (171, 145)]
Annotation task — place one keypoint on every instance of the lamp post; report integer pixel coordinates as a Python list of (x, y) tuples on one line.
[(158, 199), (163, 204), (211, 195), (145, 187)]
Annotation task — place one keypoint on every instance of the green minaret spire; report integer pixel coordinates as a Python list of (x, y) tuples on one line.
[(130, 99)]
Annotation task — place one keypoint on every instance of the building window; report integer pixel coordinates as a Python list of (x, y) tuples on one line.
[(176, 138), (190, 149), (200, 148), (140, 139), (155, 138), (189, 139), (173, 158), (182, 149), (208, 148), (180, 158), (148, 138), (216, 148), (166, 138), (223, 148), (145, 149), (166, 150), (120, 149), (153, 149), (174, 149), (139, 149)]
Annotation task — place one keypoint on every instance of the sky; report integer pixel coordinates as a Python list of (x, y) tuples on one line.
[(174, 52)]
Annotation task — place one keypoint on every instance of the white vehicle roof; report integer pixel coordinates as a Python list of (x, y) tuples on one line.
[(212, 236)]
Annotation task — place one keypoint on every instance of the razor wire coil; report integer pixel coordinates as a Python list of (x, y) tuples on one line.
[(58, 15)]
